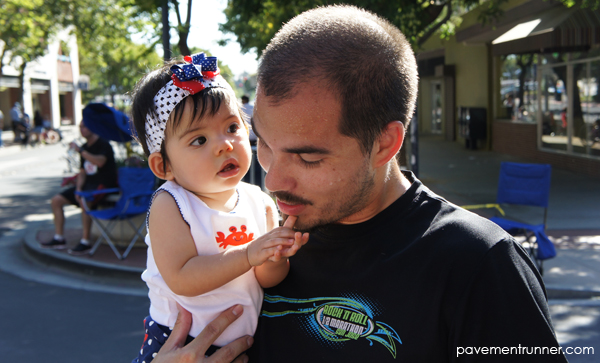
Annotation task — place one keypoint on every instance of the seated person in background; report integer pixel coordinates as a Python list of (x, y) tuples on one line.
[(98, 171), (38, 125), (19, 124)]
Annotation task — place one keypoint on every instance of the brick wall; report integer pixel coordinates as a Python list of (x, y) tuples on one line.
[(520, 140)]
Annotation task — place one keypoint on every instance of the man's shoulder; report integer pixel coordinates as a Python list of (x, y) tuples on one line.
[(448, 228)]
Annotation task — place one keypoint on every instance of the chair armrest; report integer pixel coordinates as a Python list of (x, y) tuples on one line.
[(91, 193), (484, 206)]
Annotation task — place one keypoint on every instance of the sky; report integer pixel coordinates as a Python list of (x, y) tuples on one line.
[(204, 33)]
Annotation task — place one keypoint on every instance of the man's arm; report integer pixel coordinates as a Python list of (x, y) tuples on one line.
[(504, 308), (174, 351)]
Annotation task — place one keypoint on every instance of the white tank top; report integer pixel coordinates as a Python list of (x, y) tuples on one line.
[(213, 232)]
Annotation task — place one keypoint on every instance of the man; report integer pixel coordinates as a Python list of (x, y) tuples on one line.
[(98, 171), (392, 272)]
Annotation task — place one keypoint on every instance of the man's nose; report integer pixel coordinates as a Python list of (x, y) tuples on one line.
[(279, 177)]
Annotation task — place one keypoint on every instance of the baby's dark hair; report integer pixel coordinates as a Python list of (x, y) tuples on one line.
[(206, 103)]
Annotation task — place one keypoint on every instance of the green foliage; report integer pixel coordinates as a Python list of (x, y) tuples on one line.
[(27, 27), (107, 52), (255, 22)]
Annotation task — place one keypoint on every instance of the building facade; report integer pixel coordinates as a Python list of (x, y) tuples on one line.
[(525, 85), (51, 84)]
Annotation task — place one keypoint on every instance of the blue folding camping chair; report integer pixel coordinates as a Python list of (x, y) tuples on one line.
[(529, 185), (136, 186)]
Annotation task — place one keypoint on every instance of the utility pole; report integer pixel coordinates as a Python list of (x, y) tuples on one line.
[(166, 40)]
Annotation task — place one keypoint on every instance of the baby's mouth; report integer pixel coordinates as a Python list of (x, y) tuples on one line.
[(228, 167)]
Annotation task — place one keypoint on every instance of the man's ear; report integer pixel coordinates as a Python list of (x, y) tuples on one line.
[(389, 143), (161, 169)]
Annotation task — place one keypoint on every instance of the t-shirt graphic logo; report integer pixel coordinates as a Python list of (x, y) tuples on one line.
[(335, 320), (90, 169), (235, 238)]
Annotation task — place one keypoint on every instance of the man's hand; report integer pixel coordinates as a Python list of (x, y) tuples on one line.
[(174, 350), (74, 146)]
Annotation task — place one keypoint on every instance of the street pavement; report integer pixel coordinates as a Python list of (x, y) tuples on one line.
[(67, 288), (50, 313)]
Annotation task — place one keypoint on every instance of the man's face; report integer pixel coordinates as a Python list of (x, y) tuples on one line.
[(85, 132), (315, 172)]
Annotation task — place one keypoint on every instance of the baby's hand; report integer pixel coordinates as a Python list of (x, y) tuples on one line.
[(279, 242), (300, 240)]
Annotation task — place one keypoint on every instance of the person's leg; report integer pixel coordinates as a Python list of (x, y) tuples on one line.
[(86, 223), (57, 204), (84, 244)]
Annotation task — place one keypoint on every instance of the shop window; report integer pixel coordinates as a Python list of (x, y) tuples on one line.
[(554, 107), (518, 87), (571, 122)]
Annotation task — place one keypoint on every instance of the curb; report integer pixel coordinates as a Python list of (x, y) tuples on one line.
[(18, 258), (563, 293), (33, 248)]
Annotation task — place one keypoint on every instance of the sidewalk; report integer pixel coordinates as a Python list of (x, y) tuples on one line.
[(69, 133), (462, 176), (467, 177)]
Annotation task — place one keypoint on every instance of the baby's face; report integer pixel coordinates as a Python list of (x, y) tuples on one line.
[(210, 155)]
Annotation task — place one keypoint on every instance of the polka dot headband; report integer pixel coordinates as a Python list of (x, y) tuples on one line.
[(199, 72)]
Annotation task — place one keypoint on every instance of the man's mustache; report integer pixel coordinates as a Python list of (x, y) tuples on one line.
[(289, 198)]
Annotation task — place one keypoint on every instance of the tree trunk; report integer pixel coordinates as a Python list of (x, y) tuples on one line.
[(183, 29), (524, 65), (22, 81), (2, 60)]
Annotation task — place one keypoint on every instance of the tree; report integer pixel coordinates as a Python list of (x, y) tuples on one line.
[(182, 27), (255, 22), (107, 52)]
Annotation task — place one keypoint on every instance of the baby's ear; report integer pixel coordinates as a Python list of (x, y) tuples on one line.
[(159, 166)]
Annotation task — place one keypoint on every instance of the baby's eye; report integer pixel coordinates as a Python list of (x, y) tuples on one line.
[(233, 128), (199, 141)]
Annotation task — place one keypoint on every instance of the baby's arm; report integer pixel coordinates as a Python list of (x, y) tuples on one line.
[(174, 251), (274, 270)]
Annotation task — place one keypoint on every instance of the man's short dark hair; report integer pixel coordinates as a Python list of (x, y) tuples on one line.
[(245, 99), (364, 58)]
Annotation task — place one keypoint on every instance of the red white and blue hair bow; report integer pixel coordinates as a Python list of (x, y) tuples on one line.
[(198, 73)]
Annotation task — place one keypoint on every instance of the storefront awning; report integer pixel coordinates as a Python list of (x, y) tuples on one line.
[(558, 29), (553, 29)]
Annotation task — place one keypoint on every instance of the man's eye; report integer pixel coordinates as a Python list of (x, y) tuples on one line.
[(309, 160), (199, 141)]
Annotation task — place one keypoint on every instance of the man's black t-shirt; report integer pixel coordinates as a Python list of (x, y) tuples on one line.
[(423, 281), (106, 176)]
